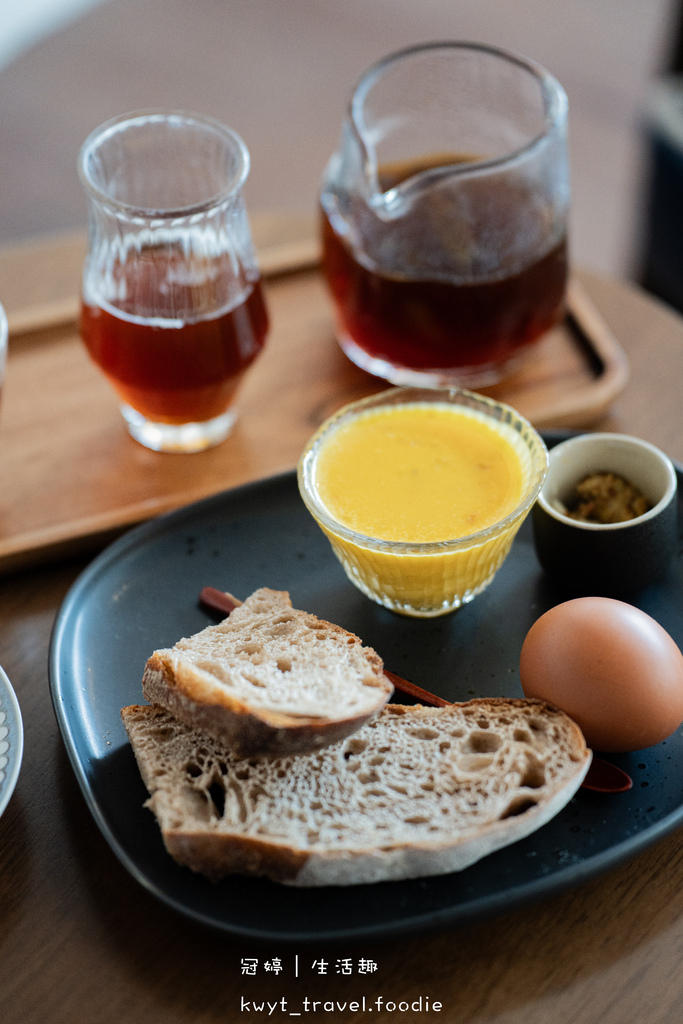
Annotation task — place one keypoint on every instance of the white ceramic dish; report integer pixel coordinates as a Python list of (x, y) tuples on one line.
[(11, 740)]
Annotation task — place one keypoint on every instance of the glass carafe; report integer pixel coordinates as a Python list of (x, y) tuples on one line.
[(444, 215)]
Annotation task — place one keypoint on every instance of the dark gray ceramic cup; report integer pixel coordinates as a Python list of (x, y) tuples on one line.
[(614, 559)]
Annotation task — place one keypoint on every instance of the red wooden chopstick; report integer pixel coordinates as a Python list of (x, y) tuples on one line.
[(411, 690), (218, 600)]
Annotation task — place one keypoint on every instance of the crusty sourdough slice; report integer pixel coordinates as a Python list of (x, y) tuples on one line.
[(269, 679), (417, 791)]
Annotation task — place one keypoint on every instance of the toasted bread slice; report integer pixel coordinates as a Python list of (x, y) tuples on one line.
[(269, 680), (417, 791)]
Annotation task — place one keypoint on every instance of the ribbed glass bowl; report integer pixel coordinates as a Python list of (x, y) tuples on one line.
[(435, 577)]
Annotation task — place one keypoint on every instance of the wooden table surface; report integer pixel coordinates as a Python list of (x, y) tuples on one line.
[(81, 942)]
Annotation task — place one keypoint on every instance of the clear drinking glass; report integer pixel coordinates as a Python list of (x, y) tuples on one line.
[(172, 307), (444, 215)]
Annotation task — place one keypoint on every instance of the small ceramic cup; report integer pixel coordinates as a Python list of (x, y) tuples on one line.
[(607, 559)]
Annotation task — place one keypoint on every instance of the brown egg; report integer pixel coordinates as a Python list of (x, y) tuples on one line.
[(611, 667)]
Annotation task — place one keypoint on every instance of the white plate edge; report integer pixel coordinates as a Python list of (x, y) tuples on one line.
[(16, 750)]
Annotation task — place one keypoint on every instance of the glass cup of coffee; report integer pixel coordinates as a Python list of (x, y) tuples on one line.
[(444, 215), (172, 308)]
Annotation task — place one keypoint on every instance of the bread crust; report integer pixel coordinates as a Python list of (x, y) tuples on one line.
[(198, 698), (218, 842), (237, 855), (233, 723)]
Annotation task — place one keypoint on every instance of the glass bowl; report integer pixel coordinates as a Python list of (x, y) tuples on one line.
[(431, 577)]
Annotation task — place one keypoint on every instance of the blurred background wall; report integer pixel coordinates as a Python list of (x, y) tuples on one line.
[(280, 72)]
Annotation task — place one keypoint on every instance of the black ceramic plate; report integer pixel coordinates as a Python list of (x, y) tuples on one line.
[(142, 593)]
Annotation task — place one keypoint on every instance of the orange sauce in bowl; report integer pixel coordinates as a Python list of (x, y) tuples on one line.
[(418, 473), (421, 500)]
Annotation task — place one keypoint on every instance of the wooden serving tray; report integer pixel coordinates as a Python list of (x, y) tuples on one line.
[(72, 477)]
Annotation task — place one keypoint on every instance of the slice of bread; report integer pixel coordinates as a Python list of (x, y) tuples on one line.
[(417, 791), (269, 680)]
